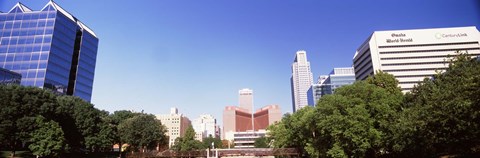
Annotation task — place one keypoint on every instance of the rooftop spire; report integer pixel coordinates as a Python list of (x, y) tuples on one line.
[(19, 7)]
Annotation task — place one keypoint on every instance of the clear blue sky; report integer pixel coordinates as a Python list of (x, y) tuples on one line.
[(196, 55)]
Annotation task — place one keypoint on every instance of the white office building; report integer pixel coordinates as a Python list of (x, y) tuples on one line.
[(301, 80), (412, 55), (205, 126), (176, 124)]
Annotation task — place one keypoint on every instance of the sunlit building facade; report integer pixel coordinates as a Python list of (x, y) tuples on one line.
[(237, 119), (50, 48), (205, 126), (327, 84), (176, 124), (245, 99), (301, 80), (412, 55)]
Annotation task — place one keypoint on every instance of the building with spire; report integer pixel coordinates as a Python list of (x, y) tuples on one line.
[(49, 48), (301, 80)]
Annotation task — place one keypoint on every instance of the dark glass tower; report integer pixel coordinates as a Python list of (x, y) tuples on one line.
[(50, 48)]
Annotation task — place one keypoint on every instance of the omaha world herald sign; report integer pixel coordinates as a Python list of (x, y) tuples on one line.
[(399, 38), (426, 36)]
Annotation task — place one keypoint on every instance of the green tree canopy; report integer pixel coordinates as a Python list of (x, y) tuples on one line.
[(47, 138), (143, 131), (188, 141), (207, 142), (446, 110)]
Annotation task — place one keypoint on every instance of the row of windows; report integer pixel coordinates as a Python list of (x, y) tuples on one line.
[(409, 76), (26, 48), (425, 69), (416, 63), (13, 41), (436, 50), (17, 57), (27, 16), (410, 82), (362, 69), (364, 53), (27, 32), (424, 45), (26, 24), (423, 57), (33, 82), (361, 62)]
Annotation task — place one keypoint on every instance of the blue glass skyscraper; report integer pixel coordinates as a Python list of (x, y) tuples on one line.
[(50, 48)]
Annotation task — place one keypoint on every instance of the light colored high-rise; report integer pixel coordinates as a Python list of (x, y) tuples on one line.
[(204, 126), (337, 78), (412, 55), (301, 80), (176, 124), (245, 99)]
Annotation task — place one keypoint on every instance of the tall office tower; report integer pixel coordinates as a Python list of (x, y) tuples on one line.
[(176, 124), (204, 126), (301, 80), (245, 99), (337, 78), (412, 55), (50, 48)]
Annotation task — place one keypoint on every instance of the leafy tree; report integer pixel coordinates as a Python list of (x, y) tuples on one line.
[(385, 81), (187, 142), (47, 139), (115, 119), (207, 142), (353, 122), (261, 142), (142, 132), (19, 107), (83, 124), (446, 111)]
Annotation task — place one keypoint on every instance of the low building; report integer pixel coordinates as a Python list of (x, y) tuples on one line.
[(9, 77), (247, 139)]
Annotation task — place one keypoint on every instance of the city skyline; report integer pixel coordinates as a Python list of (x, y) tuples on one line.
[(199, 55)]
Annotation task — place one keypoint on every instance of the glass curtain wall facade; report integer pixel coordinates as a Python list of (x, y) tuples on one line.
[(336, 79), (49, 48)]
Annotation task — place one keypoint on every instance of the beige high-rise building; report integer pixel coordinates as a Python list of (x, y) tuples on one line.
[(245, 99), (301, 80), (176, 124)]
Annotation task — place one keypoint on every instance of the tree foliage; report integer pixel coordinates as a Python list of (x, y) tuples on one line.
[(143, 131), (446, 110), (188, 141), (47, 139), (207, 142), (77, 125), (373, 118), (261, 142)]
